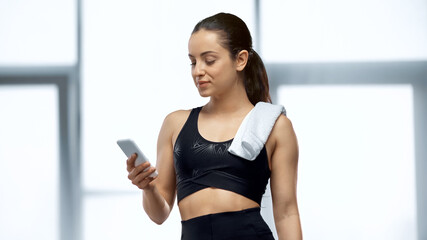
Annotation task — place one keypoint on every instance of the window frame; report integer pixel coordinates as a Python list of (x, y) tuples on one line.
[(65, 80), (365, 73)]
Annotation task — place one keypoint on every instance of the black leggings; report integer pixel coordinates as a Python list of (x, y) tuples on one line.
[(247, 224)]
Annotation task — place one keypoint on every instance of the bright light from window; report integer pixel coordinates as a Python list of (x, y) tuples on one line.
[(38, 33), (124, 218), (356, 167), (352, 30), (29, 164)]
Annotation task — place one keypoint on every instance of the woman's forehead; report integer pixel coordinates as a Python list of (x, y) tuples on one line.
[(204, 40)]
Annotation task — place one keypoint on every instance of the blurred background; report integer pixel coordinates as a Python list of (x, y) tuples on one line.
[(76, 75)]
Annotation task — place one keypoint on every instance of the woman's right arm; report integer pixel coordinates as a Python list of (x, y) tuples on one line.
[(159, 192)]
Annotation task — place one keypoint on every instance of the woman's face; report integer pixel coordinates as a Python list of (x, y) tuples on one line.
[(214, 72)]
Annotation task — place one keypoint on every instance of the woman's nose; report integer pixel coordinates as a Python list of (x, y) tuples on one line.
[(199, 69)]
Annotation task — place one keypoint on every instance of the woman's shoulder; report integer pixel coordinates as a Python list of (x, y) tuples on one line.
[(177, 118), (178, 115), (283, 127), (174, 122), (283, 121)]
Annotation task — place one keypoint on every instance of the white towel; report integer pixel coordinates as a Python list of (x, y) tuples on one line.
[(255, 129)]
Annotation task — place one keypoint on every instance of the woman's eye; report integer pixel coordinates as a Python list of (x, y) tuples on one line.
[(210, 62), (193, 63)]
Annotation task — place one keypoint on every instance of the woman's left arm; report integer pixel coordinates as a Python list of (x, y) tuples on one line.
[(283, 182)]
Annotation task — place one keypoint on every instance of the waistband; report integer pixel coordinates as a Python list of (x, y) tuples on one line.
[(246, 224), (222, 215)]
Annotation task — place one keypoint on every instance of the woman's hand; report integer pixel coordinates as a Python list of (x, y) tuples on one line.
[(140, 175)]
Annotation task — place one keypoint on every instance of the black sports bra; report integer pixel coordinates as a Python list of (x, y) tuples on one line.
[(200, 163)]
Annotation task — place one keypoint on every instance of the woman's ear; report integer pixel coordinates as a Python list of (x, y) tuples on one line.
[(241, 60)]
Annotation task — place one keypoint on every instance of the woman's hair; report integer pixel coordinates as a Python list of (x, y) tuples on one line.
[(235, 36)]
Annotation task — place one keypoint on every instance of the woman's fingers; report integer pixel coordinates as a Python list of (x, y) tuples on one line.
[(140, 175), (142, 180), (131, 162), (137, 170)]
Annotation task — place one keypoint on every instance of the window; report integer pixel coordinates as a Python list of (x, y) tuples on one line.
[(333, 30), (357, 165), (38, 33), (29, 163)]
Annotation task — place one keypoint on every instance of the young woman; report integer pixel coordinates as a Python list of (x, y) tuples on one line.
[(219, 194)]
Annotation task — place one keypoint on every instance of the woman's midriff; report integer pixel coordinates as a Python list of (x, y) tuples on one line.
[(213, 200)]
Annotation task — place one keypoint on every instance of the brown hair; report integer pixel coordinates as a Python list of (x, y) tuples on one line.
[(235, 37)]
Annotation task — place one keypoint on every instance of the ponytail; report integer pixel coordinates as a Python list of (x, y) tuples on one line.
[(256, 79), (235, 36)]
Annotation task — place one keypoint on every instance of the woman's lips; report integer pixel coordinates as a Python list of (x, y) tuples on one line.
[(203, 83)]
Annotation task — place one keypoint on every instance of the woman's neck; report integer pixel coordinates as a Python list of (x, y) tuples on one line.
[(235, 102)]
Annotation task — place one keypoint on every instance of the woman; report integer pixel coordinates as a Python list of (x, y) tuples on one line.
[(219, 194)]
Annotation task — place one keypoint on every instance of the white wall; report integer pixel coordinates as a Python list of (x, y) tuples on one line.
[(38, 33), (334, 30)]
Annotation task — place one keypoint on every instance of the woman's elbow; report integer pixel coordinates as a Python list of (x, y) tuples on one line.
[(158, 221)]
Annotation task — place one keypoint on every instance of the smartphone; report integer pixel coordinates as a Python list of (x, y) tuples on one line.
[(129, 147)]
